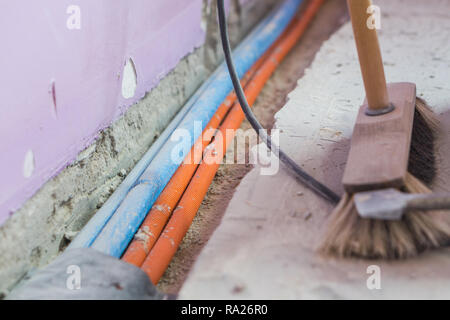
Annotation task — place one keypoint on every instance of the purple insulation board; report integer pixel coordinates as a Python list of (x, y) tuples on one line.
[(62, 65)]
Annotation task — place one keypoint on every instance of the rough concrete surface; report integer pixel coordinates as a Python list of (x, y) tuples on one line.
[(35, 234), (265, 246)]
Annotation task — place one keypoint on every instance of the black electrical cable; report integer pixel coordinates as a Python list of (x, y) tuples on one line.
[(304, 177)]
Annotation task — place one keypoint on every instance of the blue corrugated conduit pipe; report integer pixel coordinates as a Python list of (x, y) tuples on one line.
[(91, 230), (88, 234), (121, 226)]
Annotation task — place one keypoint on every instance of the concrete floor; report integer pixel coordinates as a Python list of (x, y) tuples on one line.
[(265, 247)]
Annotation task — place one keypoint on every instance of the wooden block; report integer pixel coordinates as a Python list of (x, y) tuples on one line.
[(380, 145)]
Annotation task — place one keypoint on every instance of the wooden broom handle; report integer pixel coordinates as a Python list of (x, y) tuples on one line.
[(369, 55)]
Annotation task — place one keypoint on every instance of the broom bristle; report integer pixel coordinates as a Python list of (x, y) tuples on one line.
[(422, 161), (349, 235), (428, 115)]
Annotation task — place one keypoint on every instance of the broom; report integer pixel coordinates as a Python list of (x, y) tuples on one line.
[(392, 146)]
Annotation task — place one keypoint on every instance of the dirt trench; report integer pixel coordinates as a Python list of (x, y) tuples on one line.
[(332, 15)]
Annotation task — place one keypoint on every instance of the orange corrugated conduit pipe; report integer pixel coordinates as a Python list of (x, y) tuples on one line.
[(158, 216), (166, 246)]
